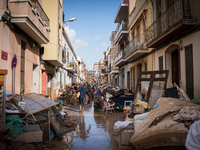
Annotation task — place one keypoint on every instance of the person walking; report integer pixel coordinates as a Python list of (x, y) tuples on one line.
[(83, 91)]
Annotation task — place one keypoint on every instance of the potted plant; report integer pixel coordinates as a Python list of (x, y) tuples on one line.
[(71, 65)]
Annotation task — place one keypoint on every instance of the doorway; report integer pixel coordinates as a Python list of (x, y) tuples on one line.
[(35, 78), (49, 85), (175, 67), (128, 80)]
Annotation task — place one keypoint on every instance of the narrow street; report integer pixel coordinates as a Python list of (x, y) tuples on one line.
[(94, 129)]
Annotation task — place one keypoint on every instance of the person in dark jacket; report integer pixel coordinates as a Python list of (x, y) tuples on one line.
[(83, 91)]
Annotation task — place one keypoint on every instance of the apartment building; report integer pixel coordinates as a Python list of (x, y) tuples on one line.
[(114, 73), (164, 36), (69, 59), (174, 35), (96, 69), (121, 39), (24, 28), (82, 70), (52, 52), (136, 51), (107, 66)]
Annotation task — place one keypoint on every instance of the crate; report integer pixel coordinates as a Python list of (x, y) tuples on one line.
[(32, 133)]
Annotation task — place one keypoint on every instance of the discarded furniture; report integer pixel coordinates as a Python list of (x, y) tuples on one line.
[(159, 127), (127, 105), (125, 135), (120, 100), (108, 107), (155, 82), (37, 103), (2, 95)]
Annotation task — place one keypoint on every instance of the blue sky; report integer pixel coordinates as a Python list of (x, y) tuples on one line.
[(90, 33)]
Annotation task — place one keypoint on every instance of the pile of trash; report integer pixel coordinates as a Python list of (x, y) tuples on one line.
[(32, 118), (160, 117), (68, 94)]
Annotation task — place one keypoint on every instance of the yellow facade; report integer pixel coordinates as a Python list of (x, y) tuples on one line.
[(53, 50), (139, 21)]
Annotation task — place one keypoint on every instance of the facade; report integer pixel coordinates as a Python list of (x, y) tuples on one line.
[(91, 76), (174, 35), (114, 73), (121, 39), (102, 71), (24, 28), (82, 70), (139, 21), (107, 65), (52, 52), (164, 36), (66, 74), (69, 59), (96, 69)]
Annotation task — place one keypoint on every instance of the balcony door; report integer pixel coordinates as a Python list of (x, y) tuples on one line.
[(175, 66)]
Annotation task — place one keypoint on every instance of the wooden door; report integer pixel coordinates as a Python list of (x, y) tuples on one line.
[(189, 71), (175, 67)]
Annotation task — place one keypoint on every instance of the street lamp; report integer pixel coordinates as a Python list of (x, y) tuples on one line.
[(70, 20)]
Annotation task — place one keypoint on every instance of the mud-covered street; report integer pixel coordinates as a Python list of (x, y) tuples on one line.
[(94, 130)]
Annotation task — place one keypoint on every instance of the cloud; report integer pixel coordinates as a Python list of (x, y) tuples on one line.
[(70, 32), (105, 45), (97, 38), (77, 43)]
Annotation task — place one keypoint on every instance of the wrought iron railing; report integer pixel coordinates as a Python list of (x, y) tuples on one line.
[(179, 11), (119, 56), (138, 42), (122, 26), (42, 13)]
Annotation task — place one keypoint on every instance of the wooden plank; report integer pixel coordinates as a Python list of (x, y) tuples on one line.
[(3, 72), (1, 79)]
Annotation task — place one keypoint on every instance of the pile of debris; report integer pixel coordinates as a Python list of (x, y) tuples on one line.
[(160, 116), (32, 118), (68, 95)]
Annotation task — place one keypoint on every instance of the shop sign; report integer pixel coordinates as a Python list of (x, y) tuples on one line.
[(4, 55)]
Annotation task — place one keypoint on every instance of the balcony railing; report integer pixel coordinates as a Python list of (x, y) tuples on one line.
[(179, 11), (119, 56), (40, 10), (31, 18), (138, 42), (122, 27)]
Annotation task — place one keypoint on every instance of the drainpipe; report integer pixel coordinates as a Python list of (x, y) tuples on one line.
[(152, 19), (8, 10)]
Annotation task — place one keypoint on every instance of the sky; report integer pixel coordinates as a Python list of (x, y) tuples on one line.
[(90, 33)]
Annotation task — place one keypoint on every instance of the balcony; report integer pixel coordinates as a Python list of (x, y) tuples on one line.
[(119, 59), (136, 48), (121, 32), (31, 18), (72, 67), (175, 20)]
